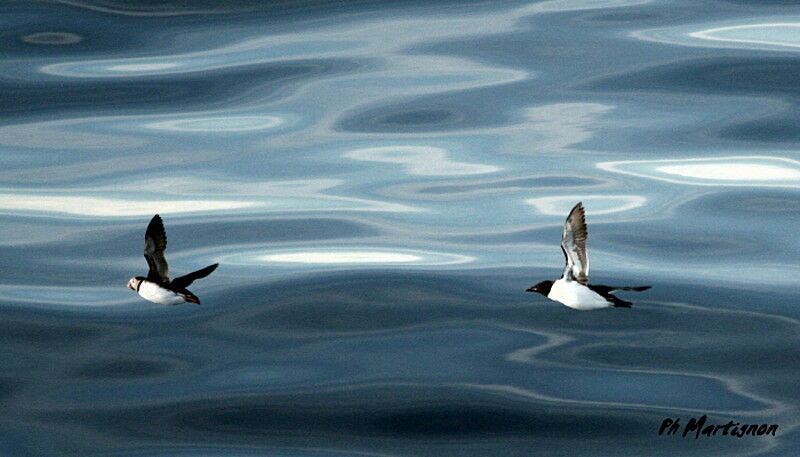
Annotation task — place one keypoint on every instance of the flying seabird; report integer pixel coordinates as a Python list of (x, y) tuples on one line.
[(572, 288), (157, 287)]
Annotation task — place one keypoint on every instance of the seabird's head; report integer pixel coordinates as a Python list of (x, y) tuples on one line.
[(134, 283), (542, 288)]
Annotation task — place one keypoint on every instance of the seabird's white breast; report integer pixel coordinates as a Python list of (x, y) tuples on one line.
[(576, 296), (153, 292)]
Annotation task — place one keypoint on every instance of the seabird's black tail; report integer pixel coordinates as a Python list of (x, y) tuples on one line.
[(620, 303), (605, 292)]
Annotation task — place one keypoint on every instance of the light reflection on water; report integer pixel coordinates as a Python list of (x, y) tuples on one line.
[(759, 33), (717, 171), (380, 183)]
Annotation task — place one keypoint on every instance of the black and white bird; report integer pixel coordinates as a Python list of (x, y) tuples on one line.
[(157, 287), (572, 288)]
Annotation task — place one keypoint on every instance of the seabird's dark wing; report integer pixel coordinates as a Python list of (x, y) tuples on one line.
[(573, 244), (184, 281), (155, 241)]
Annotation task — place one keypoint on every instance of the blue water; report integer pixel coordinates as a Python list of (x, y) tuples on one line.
[(380, 182)]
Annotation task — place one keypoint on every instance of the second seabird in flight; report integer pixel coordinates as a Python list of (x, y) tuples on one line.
[(572, 288), (157, 287)]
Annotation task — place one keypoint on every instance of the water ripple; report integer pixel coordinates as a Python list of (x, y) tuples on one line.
[(761, 171), (380, 182), (342, 256), (766, 34), (421, 160)]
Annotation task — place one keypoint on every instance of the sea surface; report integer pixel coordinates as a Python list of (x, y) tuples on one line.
[(380, 181)]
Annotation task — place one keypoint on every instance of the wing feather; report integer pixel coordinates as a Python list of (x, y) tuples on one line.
[(155, 242), (183, 281), (573, 244)]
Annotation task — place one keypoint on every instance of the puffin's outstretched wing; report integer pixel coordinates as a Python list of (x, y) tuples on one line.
[(573, 243), (155, 242), (184, 281)]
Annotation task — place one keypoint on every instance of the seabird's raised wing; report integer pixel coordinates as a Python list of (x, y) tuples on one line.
[(573, 244), (155, 242)]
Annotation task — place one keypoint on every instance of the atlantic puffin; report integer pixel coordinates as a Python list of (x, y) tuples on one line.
[(157, 287)]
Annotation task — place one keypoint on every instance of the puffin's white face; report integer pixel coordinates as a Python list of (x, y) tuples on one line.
[(134, 283)]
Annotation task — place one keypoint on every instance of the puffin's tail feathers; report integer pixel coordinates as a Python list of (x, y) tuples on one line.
[(619, 303)]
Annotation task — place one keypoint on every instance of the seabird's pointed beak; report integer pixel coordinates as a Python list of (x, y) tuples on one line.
[(531, 289)]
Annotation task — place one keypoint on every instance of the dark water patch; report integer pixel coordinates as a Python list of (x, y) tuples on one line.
[(336, 315), (447, 422), (401, 420), (623, 17), (122, 369), (687, 338), (753, 204), (386, 412), (45, 333), (154, 93), (64, 275), (410, 117), (744, 356), (7, 388), (743, 76), (56, 39), (766, 204), (628, 18), (680, 243), (364, 302), (274, 10), (765, 131), (337, 408), (47, 30), (513, 49), (418, 117)]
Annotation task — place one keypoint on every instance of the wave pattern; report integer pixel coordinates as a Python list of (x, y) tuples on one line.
[(380, 182)]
